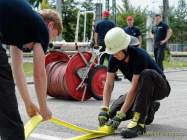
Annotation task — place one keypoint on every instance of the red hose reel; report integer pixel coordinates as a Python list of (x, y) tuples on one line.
[(75, 78)]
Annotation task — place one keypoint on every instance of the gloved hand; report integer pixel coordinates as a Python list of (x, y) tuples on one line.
[(115, 122), (103, 116)]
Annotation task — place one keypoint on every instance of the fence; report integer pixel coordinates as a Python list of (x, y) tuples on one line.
[(178, 47)]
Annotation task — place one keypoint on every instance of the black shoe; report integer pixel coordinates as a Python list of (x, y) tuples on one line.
[(150, 117), (117, 78), (133, 132)]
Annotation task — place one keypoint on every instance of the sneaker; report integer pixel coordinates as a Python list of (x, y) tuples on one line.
[(151, 113), (133, 132)]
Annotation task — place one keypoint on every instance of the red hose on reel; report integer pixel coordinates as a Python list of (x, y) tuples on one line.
[(62, 75)]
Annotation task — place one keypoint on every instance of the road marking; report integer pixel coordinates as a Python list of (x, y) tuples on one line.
[(44, 137)]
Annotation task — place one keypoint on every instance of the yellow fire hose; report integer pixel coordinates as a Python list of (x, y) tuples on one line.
[(101, 132), (87, 136)]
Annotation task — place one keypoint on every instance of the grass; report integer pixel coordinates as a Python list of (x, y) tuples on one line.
[(175, 64), (28, 67)]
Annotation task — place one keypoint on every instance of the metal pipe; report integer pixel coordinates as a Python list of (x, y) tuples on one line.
[(77, 28), (69, 44), (85, 20), (93, 26)]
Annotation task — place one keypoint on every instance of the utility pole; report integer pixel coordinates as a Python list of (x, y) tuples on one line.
[(107, 5), (114, 10), (165, 11), (98, 11), (59, 9), (59, 6), (149, 24)]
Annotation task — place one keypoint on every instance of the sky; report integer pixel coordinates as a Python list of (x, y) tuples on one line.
[(143, 3), (153, 4)]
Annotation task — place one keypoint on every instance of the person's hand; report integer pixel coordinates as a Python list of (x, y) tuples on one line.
[(32, 109), (45, 113), (103, 116), (163, 42), (115, 122)]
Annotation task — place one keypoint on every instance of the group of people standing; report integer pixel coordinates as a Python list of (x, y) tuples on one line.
[(160, 34)]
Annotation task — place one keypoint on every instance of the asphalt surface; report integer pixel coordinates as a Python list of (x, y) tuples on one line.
[(170, 121)]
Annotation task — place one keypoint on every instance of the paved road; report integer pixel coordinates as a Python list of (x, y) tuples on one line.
[(170, 121)]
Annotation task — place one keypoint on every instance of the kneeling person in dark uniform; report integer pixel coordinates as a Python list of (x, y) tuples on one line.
[(148, 83)]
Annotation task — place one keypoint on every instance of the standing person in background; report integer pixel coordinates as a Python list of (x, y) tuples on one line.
[(161, 34), (101, 28), (133, 30), (21, 27)]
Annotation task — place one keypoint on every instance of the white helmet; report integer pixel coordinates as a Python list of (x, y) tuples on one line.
[(116, 39)]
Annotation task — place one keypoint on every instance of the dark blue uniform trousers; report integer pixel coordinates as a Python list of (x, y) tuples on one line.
[(11, 125), (159, 55)]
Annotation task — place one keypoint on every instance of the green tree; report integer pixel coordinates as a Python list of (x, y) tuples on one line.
[(39, 3), (70, 10), (69, 17), (35, 3), (178, 22), (126, 5), (139, 17), (86, 6)]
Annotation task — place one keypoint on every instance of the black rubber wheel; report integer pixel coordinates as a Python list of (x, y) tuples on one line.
[(96, 81)]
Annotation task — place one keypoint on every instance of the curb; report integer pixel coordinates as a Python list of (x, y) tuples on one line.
[(31, 81)]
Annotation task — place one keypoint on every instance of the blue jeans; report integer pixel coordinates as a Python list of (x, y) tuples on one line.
[(159, 55)]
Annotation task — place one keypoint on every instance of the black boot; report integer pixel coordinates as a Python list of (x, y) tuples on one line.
[(133, 132), (150, 117), (117, 78), (135, 128)]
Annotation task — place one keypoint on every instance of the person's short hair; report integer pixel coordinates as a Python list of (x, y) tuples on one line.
[(157, 15), (130, 18), (50, 15), (105, 13)]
